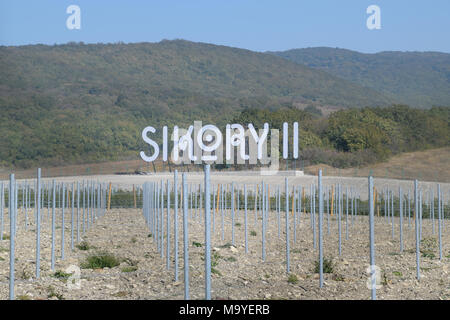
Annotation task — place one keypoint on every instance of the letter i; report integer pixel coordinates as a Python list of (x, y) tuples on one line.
[(285, 140), (165, 143)]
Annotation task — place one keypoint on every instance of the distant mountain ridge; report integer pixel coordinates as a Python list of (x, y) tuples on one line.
[(420, 79)]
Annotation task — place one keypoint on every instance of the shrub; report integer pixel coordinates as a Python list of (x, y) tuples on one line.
[(292, 278), (61, 275), (129, 269), (328, 266), (83, 245), (196, 244), (100, 260)]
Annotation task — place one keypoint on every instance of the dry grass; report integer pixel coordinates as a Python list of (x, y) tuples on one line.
[(430, 165)]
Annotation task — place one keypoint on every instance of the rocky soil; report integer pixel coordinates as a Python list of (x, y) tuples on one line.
[(142, 272)]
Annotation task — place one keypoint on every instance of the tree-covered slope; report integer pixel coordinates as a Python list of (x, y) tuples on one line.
[(420, 79)]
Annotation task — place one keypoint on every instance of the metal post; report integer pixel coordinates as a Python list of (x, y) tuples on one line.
[(320, 230), (346, 214), (62, 220), (232, 214), (207, 234), (12, 235), (278, 211), (53, 227), (222, 210), (175, 222), (286, 184), (400, 196), (263, 231), (168, 227), (416, 214), (373, 279), (441, 215), (38, 227), (162, 219), (72, 217), (185, 238), (245, 218), (78, 212), (339, 208), (2, 204)]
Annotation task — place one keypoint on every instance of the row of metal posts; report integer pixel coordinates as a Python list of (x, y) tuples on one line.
[(96, 206)]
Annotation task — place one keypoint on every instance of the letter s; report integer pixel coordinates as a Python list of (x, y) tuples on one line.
[(150, 142)]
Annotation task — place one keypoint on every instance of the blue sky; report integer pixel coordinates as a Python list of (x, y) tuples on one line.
[(258, 25)]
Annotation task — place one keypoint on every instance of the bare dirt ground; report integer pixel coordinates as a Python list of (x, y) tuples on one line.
[(142, 273)]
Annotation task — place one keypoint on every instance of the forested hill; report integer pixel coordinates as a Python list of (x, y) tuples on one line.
[(152, 72), (85, 102), (420, 79)]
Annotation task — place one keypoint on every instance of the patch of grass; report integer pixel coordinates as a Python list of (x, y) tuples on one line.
[(23, 297), (133, 240), (83, 245), (61, 275), (328, 266), (296, 251), (338, 277), (253, 233), (429, 242), (214, 259), (215, 271), (120, 294), (25, 274), (225, 246), (130, 262), (2, 259), (149, 235), (267, 276), (196, 244), (6, 237), (237, 224), (384, 279), (4, 249), (129, 269), (428, 254), (397, 273), (52, 293), (428, 247), (393, 253), (231, 259), (100, 260), (292, 279)]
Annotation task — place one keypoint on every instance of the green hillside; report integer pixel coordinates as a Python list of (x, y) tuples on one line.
[(420, 79), (80, 103)]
